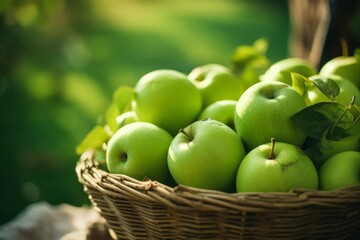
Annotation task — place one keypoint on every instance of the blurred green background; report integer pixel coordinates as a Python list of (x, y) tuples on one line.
[(61, 60)]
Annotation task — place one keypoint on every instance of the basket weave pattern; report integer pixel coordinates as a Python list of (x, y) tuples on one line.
[(150, 210)]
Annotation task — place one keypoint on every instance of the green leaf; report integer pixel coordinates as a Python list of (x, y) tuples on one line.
[(327, 86), (300, 83), (110, 116), (244, 54), (337, 133), (249, 75), (123, 96), (315, 154), (261, 45), (317, 119), (93, 140), (354, 131)]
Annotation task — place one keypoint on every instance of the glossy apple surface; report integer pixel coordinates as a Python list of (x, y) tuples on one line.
[(167, 99), (206, 154), (215, 82), (346, 67), (263, 112), (222, 111), (287, 168), (280, 70), (341, 170), (139, 150)]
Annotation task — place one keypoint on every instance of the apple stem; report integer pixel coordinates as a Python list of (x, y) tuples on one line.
[(272, 147), (182, 131), (344, 47), (189, 136), (352, 103)]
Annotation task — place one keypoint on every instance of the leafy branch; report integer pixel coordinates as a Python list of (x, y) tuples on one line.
[(329, 121), (325, 84), (102, 132)]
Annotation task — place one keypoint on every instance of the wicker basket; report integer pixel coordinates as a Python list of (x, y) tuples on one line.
[(150, 210)]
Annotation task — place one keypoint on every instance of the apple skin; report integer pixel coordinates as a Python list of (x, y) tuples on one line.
[(167, 99), (215, 82), (281, 70), (330, 149), (341, 170), (222, 111), (335, 147), (345, 66), (263, 112), (206, 154), (347, 90), (139, 150), (290, 168)]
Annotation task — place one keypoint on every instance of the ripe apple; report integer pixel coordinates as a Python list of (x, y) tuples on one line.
[(222, 111), (345, 66), (139, 150), (341, 170), (215, 82), (347, 90), (167, 99), (319, 151), (206, 154), (281, 70), (264, 110), (276, 167), (126, 118)]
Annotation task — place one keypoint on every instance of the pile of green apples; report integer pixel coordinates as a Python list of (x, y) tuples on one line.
[(254, 126)]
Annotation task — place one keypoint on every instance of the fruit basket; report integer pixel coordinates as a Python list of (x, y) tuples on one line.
[(151, 210)]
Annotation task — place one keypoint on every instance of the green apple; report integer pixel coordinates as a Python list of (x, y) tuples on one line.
[(222, 111), (276, 167), (341, 170), (167, 99), (347, 91), (319, 152), (215, 82), (126, 118), (345, 66), (206, 154), (139, 150), (335, 147), (281, 70), (264, 110)]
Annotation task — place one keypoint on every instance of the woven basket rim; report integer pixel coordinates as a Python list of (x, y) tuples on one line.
[(180, 196), (149, 209)]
